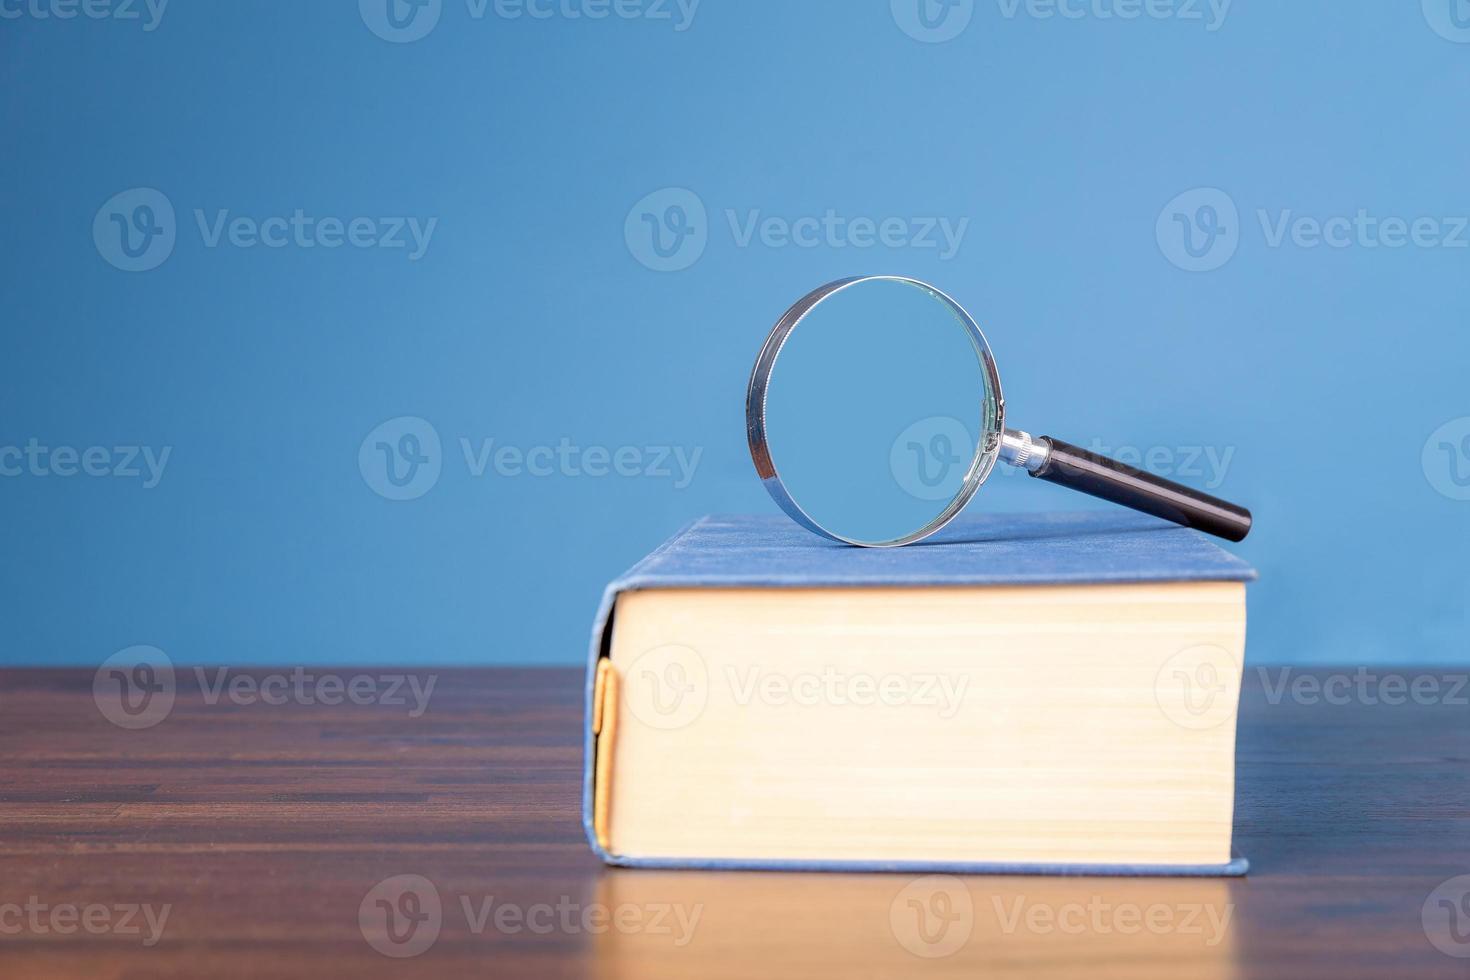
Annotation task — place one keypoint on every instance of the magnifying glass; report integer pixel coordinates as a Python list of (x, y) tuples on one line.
[(874, 413)]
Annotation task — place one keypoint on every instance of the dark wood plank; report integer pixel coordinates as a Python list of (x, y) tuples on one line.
[(264, 828)]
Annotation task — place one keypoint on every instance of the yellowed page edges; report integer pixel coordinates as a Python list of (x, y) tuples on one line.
[(605, 727), (599, 684)]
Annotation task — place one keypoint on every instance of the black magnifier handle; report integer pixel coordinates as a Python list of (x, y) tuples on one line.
[(1069, 466)]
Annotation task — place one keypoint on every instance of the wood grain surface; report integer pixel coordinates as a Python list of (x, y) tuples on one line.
[(282, 838)]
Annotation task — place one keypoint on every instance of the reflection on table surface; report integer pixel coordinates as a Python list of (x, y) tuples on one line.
[(740, 924)]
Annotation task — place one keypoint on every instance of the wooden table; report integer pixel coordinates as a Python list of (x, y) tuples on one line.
[(268, 831)]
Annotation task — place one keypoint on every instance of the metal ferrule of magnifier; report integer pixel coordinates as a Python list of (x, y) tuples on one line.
[(1020, 450)]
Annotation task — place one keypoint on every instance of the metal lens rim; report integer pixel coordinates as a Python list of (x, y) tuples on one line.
[(987, 446)]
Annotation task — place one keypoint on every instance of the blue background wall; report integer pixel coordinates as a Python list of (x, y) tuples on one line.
[(1331, 378)]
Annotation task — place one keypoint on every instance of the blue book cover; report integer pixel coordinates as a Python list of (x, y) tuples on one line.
[(1092, 547)]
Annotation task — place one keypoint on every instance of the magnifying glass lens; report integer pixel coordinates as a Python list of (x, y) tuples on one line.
[(876, 404), (874, 413)]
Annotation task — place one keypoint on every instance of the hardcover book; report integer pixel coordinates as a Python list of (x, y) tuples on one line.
[(1040, 693)]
